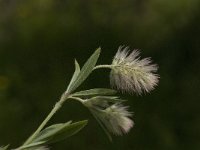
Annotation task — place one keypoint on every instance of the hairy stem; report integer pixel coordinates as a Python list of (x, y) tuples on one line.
[(76, 98), (103, 66), (57, 106)]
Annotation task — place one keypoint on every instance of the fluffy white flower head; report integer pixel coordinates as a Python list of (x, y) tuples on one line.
[(117, 119), (114, 118), (132, 74)]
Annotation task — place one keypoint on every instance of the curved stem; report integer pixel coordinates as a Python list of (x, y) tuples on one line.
[(76, 98), (103, 66), (57, 106)]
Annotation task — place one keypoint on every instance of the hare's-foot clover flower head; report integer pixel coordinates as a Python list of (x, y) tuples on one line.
[(111, 114), (132, 74), (117, 119)]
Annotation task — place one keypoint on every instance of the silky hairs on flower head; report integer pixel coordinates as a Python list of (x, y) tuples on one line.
[(132, 74)]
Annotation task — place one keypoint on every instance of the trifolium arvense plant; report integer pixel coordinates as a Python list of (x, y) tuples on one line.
[(128, 74)]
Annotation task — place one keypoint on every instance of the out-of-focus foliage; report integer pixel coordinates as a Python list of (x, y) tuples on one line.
[(40, 38)]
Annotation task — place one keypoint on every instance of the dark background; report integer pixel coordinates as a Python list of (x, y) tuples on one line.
[(39, 40)]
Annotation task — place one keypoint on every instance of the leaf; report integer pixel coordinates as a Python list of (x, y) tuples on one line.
[(69, 131), (59, 132), (4, 147), (49, 132), (85, 71), (95, 92), (32, 146), (111, 99), (76, 73), (35, 148), (38, 148)]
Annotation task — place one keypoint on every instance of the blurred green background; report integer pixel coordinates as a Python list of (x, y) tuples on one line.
[(39, 40)]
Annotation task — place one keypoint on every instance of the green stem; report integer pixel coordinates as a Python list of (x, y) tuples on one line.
[(57, 106), (103, 66), (76, 98)]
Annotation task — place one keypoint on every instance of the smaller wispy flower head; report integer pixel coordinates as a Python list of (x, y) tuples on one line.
[(111, 114), (132, 74)]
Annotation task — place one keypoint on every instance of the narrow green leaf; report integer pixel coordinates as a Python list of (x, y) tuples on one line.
[(59, 132), (69, 131), (75, 75), (32, 145), (111, 99), (39, 148), (49, 132), (35, 148), (95, 92), (85, 71)]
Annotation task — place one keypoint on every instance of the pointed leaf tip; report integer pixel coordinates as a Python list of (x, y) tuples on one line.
[(85, 71), (75, 75), (58, 132)]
